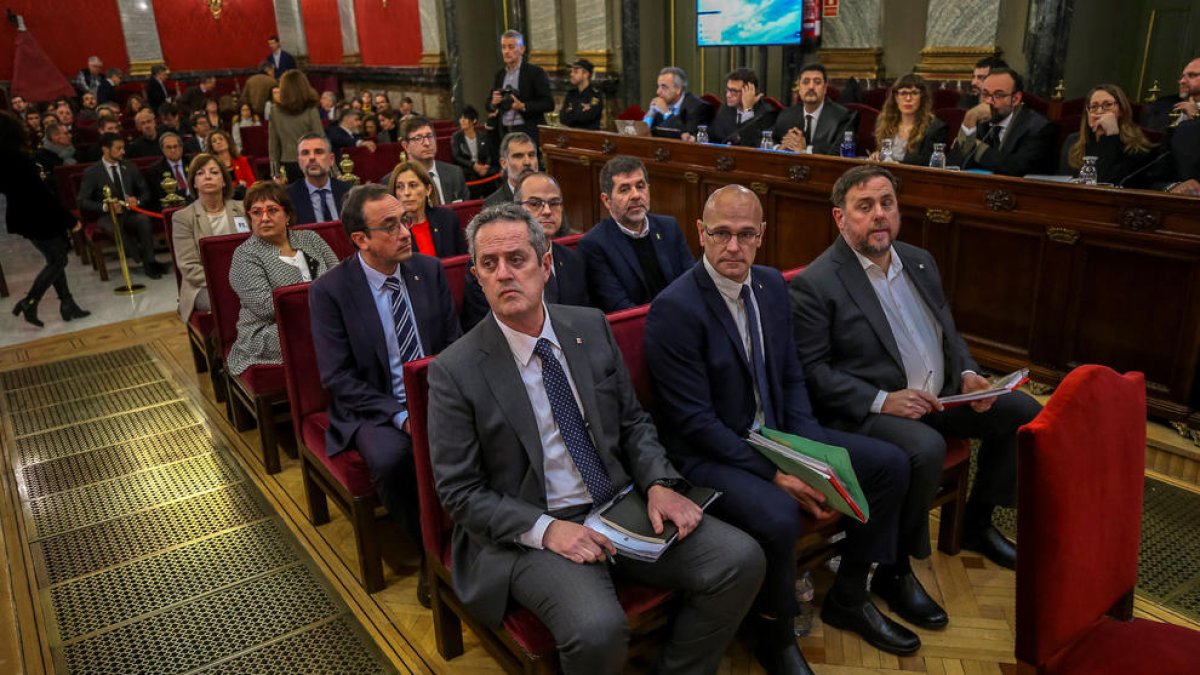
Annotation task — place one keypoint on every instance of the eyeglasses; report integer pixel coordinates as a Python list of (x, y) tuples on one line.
[(423, 138), (390, 229), (744, 238), (1103, 106), (272, 211), (535, 204), (908, 93), (994, 96)]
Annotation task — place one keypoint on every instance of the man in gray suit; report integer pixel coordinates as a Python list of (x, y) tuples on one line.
[(532, 419), (420, 142), (879, 346)]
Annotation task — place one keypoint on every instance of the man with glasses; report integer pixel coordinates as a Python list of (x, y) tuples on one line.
[(318, 196), (541, 196), (518, 158), (420, 143), (719, 346), (745, 115), (983, 68), (1001, 134), (385, 300)]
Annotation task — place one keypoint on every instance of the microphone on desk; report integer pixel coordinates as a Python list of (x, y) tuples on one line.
[(1142, 169)]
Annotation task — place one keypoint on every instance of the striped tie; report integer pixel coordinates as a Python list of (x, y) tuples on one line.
[(406, 325)]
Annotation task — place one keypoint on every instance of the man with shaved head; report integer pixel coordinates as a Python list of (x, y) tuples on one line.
[(719, 346)]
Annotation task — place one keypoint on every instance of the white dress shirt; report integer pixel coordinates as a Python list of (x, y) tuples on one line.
[(314, 197), (564, 483), (383, 306), (437, 182), (731, 293), (300, 262)]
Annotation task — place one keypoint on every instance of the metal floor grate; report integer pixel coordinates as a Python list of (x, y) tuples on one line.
[(153, 552)]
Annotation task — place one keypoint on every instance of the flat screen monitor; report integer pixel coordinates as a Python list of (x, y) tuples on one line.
[(728, 23)]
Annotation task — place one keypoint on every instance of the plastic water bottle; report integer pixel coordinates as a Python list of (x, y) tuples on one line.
[(885, 150), (1087, 172), (702, 133), (848, 149), (938, 159), (804, 596), (768, 141)]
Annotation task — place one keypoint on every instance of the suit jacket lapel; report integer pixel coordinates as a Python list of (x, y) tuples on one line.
[(716, 305), (363, 302), (575, 350), (625, 249), (502, 377), (415, 285), (854, 278)]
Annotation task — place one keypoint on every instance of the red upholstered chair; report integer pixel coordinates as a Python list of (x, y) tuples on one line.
[(200, 325), (466, 210), (524, 645), (774, 103), (570, 241), (633, 112), (1074, 106), (713, 101), (627, 326), (259, 394), (864, 136), (335, 235), (344, 478), (456, 277), (1036, 102), (874, 98), (945, 98), (1079, 516), (952, 117), (833, 93), (255, 141)]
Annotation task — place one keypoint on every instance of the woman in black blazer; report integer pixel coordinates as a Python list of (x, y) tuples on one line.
[(35, 214), (907, 120), (435, 229), (477, 164), (1124, 156)]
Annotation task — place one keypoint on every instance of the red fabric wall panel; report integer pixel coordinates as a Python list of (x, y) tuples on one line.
[(389, 36), (323, 30), (69, 31), (192, 40)]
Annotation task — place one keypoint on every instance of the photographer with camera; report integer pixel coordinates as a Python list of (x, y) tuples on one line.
[(520, 91)]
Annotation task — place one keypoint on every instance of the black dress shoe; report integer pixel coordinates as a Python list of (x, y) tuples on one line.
[(70, 310), (993, 545), (28, 309), (874, 627), (907, 597), (785, 660), (152, 270), (423, 588)]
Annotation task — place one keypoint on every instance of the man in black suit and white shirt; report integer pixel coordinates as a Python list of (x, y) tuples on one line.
[(156, 87), (520, 91), (317, 197), (281, 60), (1003, 135), (816, 124), (128, 185), (419, 141), (675, 112), (746, 113)]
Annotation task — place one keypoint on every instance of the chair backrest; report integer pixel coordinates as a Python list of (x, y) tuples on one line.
[(864, 135), (169, 224), (628, 326), (216, 257), (305, 394), (466, 210), (335, 235), (1036, 102), (712, 100), (874, 97), (633, 112), (444, 152), (1074, 106), (832, 93), (436, 525), (570, 241), (952, 118), (1079, 516), (945, 98), (70, 178), (254, 141), (456, 277), (773, 102), (788, 275)]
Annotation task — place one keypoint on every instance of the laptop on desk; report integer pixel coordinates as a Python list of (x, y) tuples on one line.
[(632, 127)]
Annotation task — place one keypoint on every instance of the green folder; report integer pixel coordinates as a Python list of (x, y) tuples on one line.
[(826, 468)]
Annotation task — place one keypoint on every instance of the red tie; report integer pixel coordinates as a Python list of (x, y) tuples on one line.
[(183, 186)]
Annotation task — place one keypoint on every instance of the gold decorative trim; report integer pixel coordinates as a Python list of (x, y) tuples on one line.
[(352, 59), (550, 59), (858, 62), (1000, 200), (951, 63), (432, 60), (601, 58), (662, 154), (143, 67), (1063, 235), (798, 173), (584, 160), (691, 177), (562, 141), (760, 188), (939, 216), (725, 163), (608, 147), (1139, 219)]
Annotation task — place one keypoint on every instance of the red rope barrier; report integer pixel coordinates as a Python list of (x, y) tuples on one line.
[(145, 212), (484, 181)]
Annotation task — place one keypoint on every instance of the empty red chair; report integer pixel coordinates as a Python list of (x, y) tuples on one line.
[(335, 235), (1082, 465), (466, 210)]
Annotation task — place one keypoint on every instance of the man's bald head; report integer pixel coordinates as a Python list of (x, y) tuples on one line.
[(731, 230), (727, 196)]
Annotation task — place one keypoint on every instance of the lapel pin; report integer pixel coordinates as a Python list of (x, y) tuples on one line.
[(658, 236), (416, 277), (578, 341), (921, 266)]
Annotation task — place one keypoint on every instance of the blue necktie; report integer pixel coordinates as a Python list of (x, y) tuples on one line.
[(406, 325), (757, 360), (571, 426), (326, 216)]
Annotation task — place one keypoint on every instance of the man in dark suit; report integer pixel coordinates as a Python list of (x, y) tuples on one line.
[(816, 124), (533, 420), (721, 372), (107, 91), (520, 91), (675, 112), (156, 87), (346, 131), (281, 60), (196, 97), (746, 113), (175, 164), (632, 254), (371, 314), (128, 185), (879, 346), (318, 196), (420, 142), (541, 196), (1001, 134), (518, 158)]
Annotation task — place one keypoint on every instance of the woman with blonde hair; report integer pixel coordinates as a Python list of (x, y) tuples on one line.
[(907, 121), (435, 229), (1108, 133), (295, 115)]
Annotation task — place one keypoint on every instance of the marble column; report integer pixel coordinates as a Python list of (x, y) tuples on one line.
[(631, 63), (593, 37), (1046, 46), (545, 35), (517, 17), (289, 25), (852, 42), (433, 32), (454, 62), (350, 53), (141, 35), (957, 34)]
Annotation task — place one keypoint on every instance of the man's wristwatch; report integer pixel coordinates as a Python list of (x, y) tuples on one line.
[(671, 483)]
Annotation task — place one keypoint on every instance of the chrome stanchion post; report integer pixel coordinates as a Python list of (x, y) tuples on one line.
[(111, 203)]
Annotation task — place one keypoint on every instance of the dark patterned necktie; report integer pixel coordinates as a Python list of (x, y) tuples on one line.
[(405, 323), (756, 359)]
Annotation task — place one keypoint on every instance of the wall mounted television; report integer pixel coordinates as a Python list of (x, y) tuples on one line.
[(732, 23)]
